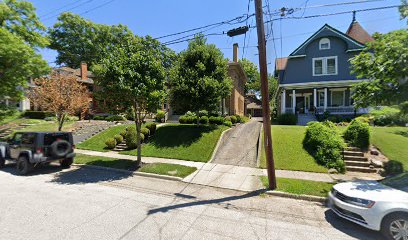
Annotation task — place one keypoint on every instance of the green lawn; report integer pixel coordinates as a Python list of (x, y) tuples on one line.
[(298, 186), (168, 169), (288, 150), (97, 142), (13, 117), (105, 162), (46, 126), (186, 142), (392, 142), (124, 164)]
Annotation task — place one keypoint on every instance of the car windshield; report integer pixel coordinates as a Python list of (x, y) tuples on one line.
[(399, 182)]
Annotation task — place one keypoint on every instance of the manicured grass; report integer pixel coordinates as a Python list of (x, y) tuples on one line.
[(13, 117), (186, 142), (298, 186), (288, 150), (392, 142), (105, 162), (168, 169), (97, 142)]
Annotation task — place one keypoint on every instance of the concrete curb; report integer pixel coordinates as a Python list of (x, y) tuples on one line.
[(218, 145), (258, 157), (142, 174), (298, 197)]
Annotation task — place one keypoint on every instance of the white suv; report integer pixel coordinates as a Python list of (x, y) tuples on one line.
[(380, 206)]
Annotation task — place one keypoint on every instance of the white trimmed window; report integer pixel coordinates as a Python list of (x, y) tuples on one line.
[(321, 99), (338, 97), (325, 66), (324, 44)]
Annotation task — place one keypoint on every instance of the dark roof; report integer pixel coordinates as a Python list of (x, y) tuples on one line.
[(357, 32), (77, 73), (280, 63)]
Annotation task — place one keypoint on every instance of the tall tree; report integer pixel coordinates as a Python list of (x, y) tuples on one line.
[(199, 79), (20, 34), (384, 63), (77, 39), (254, 83), (133, 76), (403, 9), (61, 94)]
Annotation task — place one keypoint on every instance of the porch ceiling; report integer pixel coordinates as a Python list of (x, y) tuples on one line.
[(323, 84)]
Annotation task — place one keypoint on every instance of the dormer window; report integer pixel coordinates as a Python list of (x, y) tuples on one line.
[(324, 43)]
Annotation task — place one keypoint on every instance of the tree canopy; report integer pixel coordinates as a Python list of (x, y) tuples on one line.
[(20, 34), (77, 39), (199, 79), (384, 63), (133, 75), (254, 83)]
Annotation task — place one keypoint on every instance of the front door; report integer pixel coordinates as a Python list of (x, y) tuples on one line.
[(300, 104)]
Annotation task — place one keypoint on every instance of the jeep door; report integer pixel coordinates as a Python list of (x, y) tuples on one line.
[(15, 145)]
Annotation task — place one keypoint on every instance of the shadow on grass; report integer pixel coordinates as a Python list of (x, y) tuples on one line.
[(402, 133), (179, 135)]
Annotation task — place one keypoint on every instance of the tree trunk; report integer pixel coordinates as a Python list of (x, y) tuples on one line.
[(198, 117), (61, 119), (138, 132)]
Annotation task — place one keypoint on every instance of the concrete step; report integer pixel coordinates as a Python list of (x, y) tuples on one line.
[(357, 164), (355, 158), (353, 153), (352, 149), (360, 169)]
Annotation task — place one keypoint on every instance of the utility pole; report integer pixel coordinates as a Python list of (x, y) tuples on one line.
[(265, 95)]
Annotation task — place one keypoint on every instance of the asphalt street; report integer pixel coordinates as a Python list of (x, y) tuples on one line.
[(84, 203)]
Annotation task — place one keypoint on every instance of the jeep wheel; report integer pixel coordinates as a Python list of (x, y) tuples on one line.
[(395, 226), (67, 162), (23, 166), (2, 161)]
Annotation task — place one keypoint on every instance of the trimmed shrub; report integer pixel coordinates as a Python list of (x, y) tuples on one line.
[(216, 120), (324, 143), (38, 114), (98, 117), (287, 119), (185, 119), (227, 118), (152, 127), (245, 119), (160, 115), (123, 133), (131, 138), (110, 143), (203, 113), (228, 123), (234, 119), (239, 120), (145, 131), (393, 167), (358, 134), (118, 138), (204, 120), (115, 118)]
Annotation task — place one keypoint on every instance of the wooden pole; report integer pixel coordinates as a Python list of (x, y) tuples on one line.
[(265, 95)]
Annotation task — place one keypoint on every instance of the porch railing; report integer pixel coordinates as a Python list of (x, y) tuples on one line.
[(289, 110), (336, 110)]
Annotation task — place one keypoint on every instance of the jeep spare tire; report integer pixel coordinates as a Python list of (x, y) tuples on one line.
[(60, 148)]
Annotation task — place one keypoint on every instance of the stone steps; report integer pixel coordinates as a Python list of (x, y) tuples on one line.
[(357, 164), (353, 153), (361, 169), (355, 158)]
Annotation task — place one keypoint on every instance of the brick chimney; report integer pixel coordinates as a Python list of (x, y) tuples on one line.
[(84, 71), (235, 52)]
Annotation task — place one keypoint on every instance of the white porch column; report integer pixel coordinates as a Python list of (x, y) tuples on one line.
[(325, 99), (315, 97), (283, 101), (294, 101)]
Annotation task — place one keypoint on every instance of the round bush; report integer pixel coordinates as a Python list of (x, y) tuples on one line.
[(131, 139), (110, 143), (287, 119), (239, 120), (203, 113), (118, 138), (216, 120), (123, 133), (228, 123), (393, 167), (160, 115), (204, 120), (234, 119), (145, 131), (227, 118), (358, 134), (152, 127)]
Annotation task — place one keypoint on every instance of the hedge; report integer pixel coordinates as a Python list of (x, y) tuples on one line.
[(287, 119), (204, 120), (323, 141), (358, 134), (110, 143), (216, 120), (152, 127), (131, 138), (38, 114)]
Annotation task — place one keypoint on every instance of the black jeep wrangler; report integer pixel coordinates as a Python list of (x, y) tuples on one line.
[(29, 149)]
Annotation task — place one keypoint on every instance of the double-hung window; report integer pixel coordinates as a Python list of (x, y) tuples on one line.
[(325, 66)]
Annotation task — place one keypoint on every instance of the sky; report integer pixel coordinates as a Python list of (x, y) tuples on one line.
[(163, 17)]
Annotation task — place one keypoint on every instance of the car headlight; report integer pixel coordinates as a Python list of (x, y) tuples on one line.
[(361, 202)]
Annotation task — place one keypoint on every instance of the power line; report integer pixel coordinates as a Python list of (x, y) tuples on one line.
[(337, 4), (99, 6), (246, 24), (57, 9), (76, 6), (186, 40)]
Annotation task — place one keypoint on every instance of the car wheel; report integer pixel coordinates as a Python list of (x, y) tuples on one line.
[(67, 162), (23, 166), (395, 226), (2, 161)]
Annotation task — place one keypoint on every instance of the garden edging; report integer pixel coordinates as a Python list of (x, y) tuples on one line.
[(142, 174), (298, 197)]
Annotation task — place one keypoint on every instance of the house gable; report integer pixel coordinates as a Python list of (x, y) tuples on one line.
[(327, 31)]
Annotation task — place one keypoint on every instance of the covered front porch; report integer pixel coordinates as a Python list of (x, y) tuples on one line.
[(336, 100)]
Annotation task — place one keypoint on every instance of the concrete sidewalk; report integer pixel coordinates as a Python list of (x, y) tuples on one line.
[(220, 175)]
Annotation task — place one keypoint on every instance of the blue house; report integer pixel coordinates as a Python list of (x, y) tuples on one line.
[(316, 77)]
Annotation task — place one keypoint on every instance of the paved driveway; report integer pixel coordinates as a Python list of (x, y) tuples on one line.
[(83, 203), (239, 145)]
